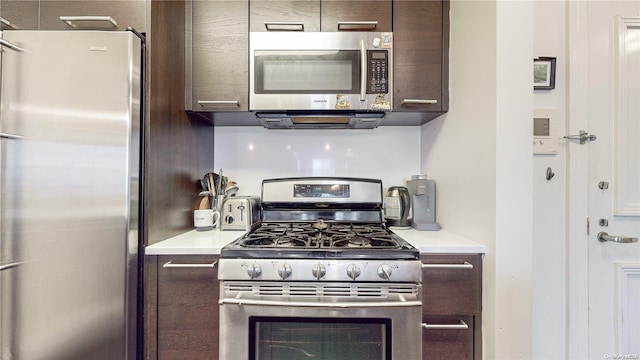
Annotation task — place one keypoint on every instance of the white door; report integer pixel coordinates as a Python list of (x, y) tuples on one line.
[(605, 102)]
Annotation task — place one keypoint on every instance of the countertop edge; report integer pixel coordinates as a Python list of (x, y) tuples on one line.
[(195, 242)]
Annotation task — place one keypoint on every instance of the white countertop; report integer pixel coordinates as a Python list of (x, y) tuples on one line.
[(196, 242)]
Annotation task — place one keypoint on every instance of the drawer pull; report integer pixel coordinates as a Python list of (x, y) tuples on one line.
[(465, 265), (357, 25), (69, 20), (461, 326), (284, 26), (170, 264), (214, 103), (418, 102), (6, 23)]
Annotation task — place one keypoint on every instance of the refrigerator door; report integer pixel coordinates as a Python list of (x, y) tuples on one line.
[(70, 194)]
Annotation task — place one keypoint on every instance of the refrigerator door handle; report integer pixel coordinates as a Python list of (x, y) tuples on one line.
[(10, 265), (11, 46), (10, 136)]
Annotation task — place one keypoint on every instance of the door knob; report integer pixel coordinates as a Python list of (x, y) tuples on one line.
[(604, 237)]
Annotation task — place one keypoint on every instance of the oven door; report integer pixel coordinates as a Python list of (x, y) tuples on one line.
[(354, 321)]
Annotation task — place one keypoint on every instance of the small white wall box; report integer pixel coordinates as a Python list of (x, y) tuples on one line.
[(545, 136)]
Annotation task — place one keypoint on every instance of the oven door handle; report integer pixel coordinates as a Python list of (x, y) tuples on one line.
[(341, 305)]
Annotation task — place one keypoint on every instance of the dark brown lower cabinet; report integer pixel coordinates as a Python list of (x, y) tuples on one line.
[(446, 339), (187, 307), (452, 306)]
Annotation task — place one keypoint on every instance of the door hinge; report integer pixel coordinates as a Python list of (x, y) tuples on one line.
[(587, 226)]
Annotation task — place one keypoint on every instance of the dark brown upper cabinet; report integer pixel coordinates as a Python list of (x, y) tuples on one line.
[(19, 14), (93, 14), (217, 60), (357, 16), (421, 56), (300, 15), (316, 15)]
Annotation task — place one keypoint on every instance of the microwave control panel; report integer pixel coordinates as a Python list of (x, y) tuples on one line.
[(377, 71)]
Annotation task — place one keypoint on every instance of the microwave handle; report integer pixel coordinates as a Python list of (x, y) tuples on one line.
[(363, 71)]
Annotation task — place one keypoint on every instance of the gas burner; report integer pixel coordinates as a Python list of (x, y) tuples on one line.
[(300, 232), (289, 242), (357, 241), (252, 240), (321, 225)]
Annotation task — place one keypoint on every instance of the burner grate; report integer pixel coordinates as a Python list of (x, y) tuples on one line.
[(320, 235)]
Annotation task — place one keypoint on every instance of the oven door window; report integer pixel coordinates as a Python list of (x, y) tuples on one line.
[(307, 72), (277, 338)]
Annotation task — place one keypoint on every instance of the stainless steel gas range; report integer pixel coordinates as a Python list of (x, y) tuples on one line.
[(320, 277)]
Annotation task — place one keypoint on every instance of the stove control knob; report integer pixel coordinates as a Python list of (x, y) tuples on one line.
[(285, 271), (319, 271), (384, 271), (353, 271), (254, 270)]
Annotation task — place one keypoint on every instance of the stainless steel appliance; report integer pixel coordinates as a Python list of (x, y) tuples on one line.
[(70, 174), (321, 276), (321, 79), (423, 203), (240, 212), (397, 207)]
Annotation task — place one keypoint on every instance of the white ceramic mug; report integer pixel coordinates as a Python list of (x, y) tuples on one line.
[(206, 218)]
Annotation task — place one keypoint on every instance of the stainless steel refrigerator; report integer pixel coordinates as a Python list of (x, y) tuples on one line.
[(70, 120)]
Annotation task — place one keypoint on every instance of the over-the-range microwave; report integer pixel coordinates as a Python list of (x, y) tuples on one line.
[(326, 79)]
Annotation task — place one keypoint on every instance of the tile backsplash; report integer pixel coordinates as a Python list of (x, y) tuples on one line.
[(248, 155)]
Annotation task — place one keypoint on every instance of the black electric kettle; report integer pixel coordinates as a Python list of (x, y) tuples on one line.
[(397, 206)]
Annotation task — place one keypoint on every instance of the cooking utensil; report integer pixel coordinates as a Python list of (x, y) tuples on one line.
[(231, 188), (204, 203), (219, 185)]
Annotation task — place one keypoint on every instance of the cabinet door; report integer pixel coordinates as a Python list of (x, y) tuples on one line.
[(219, 76), (126, 13), (452, 285), (448, 337), (19, 14), (420, 68), (299, 15), (188, 314), (357, 15)]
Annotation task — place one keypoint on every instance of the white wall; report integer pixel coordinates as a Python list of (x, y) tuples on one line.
[(250, 154), (480, 155), (549, 210)]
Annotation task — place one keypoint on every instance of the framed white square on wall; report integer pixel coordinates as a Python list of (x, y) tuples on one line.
[(544, 73), (545, 135)]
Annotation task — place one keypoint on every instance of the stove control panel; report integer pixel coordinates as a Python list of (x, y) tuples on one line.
[(320, 270)]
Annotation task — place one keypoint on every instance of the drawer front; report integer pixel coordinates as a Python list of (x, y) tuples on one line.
[(448, 337), (452, 284), (188, 293)]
